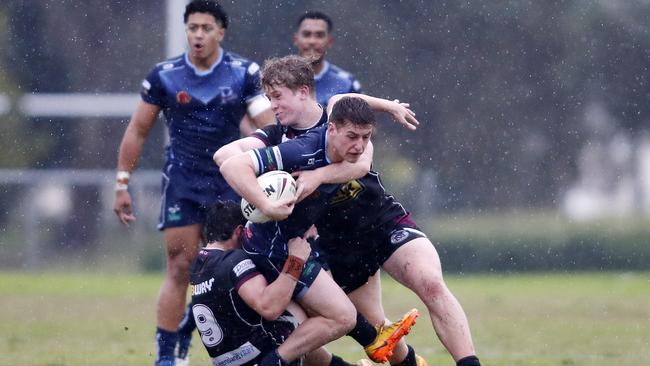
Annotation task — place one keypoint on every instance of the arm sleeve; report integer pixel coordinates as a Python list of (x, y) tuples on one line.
[(252, 86), (152, 90), (306, 152), (270, 135)]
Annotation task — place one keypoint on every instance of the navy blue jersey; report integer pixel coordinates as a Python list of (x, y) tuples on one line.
[(202, 108), (232, 332), (306, 152), (359, 205), (333, 80)]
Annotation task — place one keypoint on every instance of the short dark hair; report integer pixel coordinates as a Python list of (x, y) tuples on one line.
[(207, 6), (352, 110), (315, 14), (291, 71), (222, 218)]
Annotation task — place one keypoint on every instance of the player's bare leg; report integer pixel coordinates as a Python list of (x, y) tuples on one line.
[(320, 356), (416, 265), (182, 246), (332, 315)]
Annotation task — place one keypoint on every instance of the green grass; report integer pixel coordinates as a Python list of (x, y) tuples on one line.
[(62, 319)]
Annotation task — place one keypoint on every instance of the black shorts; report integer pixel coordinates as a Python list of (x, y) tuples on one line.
[(354, 258)]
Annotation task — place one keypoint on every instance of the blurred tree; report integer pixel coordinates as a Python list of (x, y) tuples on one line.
[(500, 86)]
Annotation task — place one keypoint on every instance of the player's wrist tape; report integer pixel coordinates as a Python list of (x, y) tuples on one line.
[(293, 266), (122, 180)]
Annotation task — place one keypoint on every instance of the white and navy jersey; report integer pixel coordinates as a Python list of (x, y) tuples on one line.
[(232, 332), (202, 108), (306, 152), (333, 80)]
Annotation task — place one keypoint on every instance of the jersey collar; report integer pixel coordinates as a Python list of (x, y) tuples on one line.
[(208, 71), (326, 67)]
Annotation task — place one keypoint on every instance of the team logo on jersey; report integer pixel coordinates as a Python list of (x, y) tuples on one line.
[(226, 94), (398, 236), (183, 97), (174, 213), (348, 191)]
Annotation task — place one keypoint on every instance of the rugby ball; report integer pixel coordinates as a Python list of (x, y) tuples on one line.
[(276, 185)]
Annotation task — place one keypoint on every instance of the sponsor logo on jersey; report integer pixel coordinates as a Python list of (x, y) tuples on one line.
[(183, 97), (348, 191), (174, 213), (239, 356), (202, 287), (243, 266)]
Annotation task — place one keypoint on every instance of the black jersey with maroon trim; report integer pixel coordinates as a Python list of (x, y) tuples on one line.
[(224, 321), (275, 134), (358, 206)]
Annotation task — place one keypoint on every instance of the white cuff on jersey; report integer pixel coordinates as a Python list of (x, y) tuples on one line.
[(258, 104), (256, 165)]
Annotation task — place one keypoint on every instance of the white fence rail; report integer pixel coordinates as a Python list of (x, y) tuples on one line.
[(32, 199)]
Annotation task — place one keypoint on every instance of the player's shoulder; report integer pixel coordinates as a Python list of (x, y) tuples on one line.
[(170, 63), (340, 73), (237, 61), (239, 261)]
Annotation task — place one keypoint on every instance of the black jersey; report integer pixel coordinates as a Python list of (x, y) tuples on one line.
[(232, 332), (275, 134), (359, 205)]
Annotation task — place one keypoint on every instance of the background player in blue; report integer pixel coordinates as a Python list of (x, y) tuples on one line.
[(312, 39), (203, 94), (241, 318)]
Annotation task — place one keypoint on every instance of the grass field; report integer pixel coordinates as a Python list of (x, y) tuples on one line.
[(63, 319)]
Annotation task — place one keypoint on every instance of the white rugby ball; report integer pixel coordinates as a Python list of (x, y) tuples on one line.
[(276, 185)]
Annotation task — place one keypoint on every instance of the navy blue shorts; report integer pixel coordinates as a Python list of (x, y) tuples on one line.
[(354, 258), (187, 194)]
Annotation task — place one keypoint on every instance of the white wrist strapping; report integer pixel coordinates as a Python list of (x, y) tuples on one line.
[(122, 180)]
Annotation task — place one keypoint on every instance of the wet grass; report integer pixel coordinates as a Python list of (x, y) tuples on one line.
[(535, 319)]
